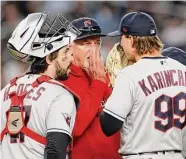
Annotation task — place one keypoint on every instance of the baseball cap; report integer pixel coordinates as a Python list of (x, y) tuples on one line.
[(88, 27), (176, 54), (136, 24)]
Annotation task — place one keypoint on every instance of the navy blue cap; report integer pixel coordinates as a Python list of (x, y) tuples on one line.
[(176, 54), (88, 27), (136, 24)]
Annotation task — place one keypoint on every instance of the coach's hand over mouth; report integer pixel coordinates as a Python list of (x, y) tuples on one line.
[(96, 69)]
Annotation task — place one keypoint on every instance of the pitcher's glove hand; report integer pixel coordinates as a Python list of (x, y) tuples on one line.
[(116, 60)]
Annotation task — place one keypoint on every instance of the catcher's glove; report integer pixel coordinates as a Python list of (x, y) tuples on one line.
[(116, 60)]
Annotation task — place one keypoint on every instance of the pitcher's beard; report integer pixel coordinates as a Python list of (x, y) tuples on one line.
[(61, 73)]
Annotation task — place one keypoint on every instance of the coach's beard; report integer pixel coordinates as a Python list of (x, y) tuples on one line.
[(61, 73)]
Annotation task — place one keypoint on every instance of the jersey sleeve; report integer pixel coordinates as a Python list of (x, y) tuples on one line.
[(61, 115), (184, 143), (121, 100)]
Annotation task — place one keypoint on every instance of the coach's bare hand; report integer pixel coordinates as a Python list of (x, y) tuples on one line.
[(97, 70)]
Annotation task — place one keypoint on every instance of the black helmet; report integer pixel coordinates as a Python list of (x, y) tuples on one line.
[(176, 54)]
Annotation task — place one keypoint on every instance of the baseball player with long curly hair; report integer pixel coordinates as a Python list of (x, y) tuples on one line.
[(148, 101)]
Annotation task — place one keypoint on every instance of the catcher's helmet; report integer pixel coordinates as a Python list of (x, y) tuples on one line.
[(40, 34)]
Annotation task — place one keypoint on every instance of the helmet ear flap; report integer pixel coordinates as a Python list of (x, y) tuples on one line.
[(18, 55)]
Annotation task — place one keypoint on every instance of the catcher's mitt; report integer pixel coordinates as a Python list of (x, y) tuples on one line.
[(116, 60)]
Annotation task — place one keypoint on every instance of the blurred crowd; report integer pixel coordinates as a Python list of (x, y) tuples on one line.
[(170, 17)]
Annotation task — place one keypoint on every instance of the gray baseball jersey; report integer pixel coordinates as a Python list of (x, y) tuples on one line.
[(150, 98), (48, 107), (184, 142)]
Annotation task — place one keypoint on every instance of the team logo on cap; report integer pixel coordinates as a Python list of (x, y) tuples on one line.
[(87, 23), (152, 32), (124, 30)]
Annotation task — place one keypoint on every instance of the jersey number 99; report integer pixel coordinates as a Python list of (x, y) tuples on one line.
[(173, 108)]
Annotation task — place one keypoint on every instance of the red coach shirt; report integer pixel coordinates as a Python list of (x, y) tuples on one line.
[(89, 142)]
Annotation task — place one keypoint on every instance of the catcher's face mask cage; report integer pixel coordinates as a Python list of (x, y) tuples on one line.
[(40, 34)]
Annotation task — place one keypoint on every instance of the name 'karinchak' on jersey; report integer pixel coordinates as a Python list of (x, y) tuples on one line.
[(163, 79)]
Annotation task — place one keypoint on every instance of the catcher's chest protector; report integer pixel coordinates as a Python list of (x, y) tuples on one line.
[(15, 123), (15, 118)]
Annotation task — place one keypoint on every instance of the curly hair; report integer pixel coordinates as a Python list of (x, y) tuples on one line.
[(147, 44), (39, 65)]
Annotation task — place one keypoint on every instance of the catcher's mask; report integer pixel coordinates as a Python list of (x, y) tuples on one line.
[(40, 34)]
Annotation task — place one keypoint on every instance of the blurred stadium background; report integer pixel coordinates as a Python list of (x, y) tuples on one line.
[(170, 17)]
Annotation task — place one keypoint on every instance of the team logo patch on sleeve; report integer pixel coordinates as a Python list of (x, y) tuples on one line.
[(67, 118), (87, 23)]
